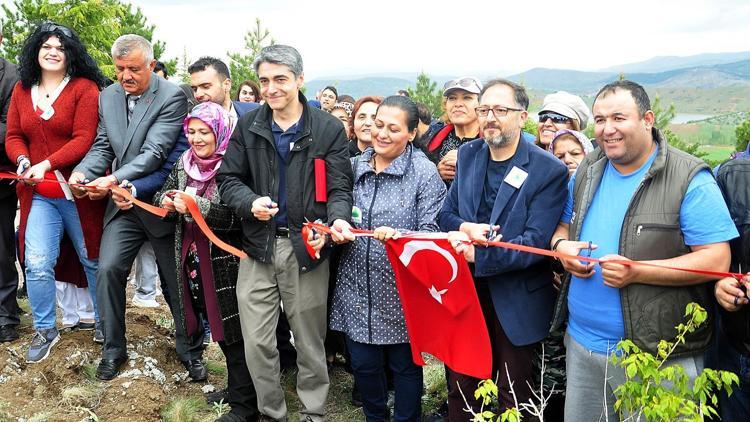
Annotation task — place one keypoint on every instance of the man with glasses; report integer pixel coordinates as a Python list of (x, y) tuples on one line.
[(505, 186)]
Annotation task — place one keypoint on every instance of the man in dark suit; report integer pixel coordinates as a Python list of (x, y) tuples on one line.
[(140, 118), (8, 275), (503, 183)]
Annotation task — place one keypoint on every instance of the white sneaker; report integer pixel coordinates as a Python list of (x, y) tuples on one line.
[(144, 303)]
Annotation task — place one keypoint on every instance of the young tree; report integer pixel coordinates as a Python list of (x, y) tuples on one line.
[(427, 92), (241, 63), (97, 22), (742, 135)]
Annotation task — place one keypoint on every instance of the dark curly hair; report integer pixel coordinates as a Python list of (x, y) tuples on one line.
[(78, 61)]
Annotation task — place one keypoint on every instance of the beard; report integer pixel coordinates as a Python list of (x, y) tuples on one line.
[(499, 141)]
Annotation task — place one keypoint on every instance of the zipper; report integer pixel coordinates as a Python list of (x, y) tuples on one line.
[(367, 261), (654, 226)]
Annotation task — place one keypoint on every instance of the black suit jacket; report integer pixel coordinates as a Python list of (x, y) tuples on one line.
[(8, 79)]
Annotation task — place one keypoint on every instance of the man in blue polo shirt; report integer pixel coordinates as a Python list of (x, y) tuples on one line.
[(636, 198)]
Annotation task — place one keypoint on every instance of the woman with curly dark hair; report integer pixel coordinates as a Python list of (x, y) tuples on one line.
[(248, 92), (52, 123)]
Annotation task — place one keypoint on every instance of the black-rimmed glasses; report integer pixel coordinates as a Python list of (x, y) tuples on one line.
[(497, 111), (52, 27)]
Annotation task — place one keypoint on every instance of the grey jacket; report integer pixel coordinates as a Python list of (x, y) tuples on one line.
[(407, 195), (131, 151)]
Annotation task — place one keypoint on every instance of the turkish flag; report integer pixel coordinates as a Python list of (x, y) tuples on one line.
[(441, 308)]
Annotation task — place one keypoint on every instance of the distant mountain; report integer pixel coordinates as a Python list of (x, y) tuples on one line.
[(712, 76), (663, 63), (360, 87)]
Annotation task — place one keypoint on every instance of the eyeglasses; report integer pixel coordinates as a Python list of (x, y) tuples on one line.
[(497, 111), (52, 27), (463, 83), (555, 117)]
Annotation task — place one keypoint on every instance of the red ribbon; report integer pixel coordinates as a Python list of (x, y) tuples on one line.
[(158, 211), (538, 251)]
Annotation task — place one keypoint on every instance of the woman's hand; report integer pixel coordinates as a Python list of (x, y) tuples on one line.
[(167, 202), (384, 233), (179, 203), (36, 171)]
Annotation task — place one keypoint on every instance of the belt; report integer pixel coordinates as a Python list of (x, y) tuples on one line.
[(282, 232)]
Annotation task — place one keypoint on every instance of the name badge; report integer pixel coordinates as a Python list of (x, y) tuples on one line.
[(191, 190), (516, 177), (48, 113)]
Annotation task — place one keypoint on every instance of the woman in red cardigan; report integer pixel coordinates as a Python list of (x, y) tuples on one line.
[(52, 123)]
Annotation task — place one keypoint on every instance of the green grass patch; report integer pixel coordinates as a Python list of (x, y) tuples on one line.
[(717, 153), (216, 368), (184, 409)]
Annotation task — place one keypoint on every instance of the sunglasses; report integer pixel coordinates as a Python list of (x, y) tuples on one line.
[(52, 27), (462, 83), (556, 118)]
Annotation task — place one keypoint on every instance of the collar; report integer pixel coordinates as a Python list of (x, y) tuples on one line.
[(398, 167)]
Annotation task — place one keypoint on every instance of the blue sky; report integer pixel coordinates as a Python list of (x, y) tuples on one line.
[(456, 37)]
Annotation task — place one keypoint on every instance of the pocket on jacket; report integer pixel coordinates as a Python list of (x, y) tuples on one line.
[(656, 241)]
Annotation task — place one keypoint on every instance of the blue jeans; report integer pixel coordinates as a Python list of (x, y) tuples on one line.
[(368, 365), (48, 219), (725, 357)]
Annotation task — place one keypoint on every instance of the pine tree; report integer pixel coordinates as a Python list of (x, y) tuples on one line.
[(427, 92)]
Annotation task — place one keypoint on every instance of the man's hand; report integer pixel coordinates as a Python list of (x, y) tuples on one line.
[(447, 165), (384, 233), (102, 185), (729, 295), (77, 178), (120, 201), (615, 274), (316, 241), (341, 231), (461, 243), (574, 266), (264, 208)]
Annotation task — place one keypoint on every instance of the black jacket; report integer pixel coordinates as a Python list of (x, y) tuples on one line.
[(733, 179), (8, 79), (250, 168)]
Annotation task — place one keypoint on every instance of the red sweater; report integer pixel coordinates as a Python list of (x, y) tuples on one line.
[(64, 140)]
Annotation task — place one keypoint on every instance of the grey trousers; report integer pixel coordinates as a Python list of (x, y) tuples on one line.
[(260, 287), (146, 273), (588, 385)]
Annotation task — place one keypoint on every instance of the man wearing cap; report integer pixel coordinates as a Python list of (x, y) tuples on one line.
[(634, 199), (561, 110), (441, 142), (505, 183)]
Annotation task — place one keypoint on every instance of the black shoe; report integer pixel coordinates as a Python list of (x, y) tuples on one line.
[(196, 370), (218, 396), (8, 333), (108, 368)]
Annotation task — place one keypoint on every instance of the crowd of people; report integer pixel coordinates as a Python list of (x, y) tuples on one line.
[(262, 161)]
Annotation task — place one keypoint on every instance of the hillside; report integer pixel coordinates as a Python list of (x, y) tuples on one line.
[(664, 63)]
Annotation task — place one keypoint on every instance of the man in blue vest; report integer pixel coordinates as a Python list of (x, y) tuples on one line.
[(635, 198)]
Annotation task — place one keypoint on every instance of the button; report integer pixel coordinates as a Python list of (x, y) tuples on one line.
[(304, 268)]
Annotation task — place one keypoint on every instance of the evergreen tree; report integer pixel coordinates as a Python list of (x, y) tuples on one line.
[(97, 22), (742, 135), (241, 63), (427, 92)]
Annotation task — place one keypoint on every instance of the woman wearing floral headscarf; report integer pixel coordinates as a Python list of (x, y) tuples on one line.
[(208, 275)]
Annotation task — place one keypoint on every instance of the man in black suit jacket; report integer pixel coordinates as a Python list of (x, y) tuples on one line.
[(8, 275)]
